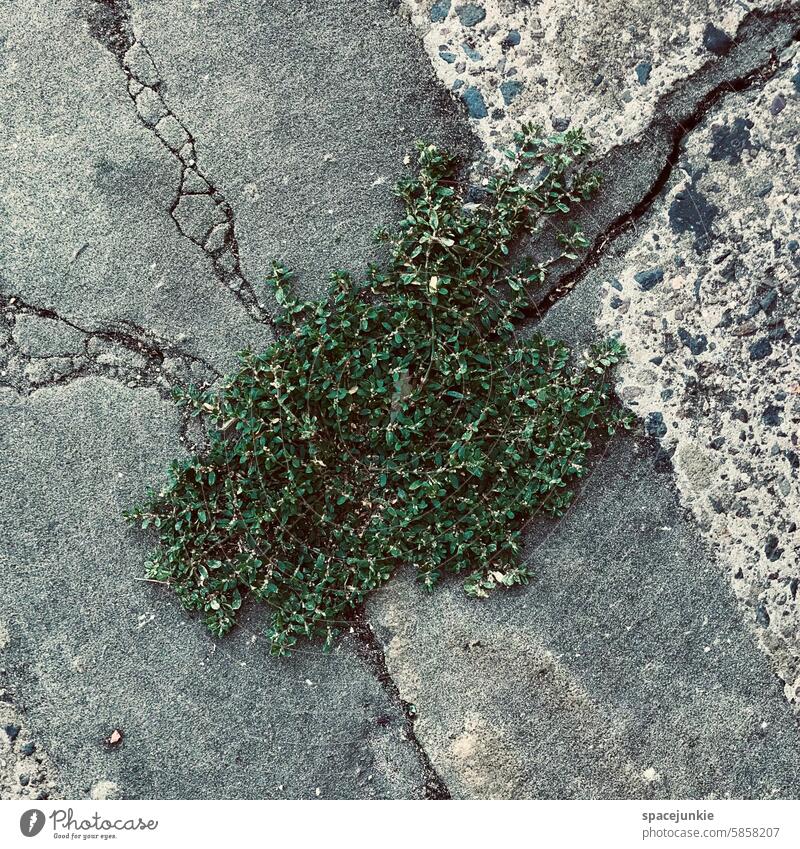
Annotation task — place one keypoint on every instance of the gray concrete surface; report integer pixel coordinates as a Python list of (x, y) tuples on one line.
[(86, 194), (89, 649), (107, 305), (623, 670), (306, 113), (715, 367), (152, 167)]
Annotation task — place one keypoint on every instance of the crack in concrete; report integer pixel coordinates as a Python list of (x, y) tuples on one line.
[(372, 653), (123, 352), (202, 214), (199, 210), (753, 59), (679, 114)]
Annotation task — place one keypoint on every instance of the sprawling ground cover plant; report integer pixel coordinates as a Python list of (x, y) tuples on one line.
[(397, 421)]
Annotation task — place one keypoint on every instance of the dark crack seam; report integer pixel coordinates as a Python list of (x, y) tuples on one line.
[(683, 126), (146, 342), (131, 377), (224, 256), (110, 24), (372, 653), (148, 376)]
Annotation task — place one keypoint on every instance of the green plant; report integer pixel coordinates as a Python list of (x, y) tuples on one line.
[(398, 421)]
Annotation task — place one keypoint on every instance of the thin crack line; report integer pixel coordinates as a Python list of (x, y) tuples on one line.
[(214, 231), (372, 653), (676, 132), (199, 210), (146, 371), (133, 337)]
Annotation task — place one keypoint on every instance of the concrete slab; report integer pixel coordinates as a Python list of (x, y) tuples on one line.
[(694, 245), (624, 670), (598, 64), (150, 176), (90, 648)]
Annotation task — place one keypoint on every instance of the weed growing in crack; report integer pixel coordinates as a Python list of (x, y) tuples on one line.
[(398, 421)]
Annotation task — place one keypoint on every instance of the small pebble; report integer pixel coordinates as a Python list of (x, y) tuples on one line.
[(440, 11), (470, 14), (716, 41), (772, 415), (510, 89), (760, 350), (648, 279), (471, 52), (643, 70), (476, 105), (655, 425), (777, 106)]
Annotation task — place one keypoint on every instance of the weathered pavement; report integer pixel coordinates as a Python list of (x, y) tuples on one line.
[(148, 178), (109, 304)]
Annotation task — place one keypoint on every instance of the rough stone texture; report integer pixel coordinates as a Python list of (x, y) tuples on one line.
[(149, 179), (25, 771), (703, 291), (715, 347), (599, 64)]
